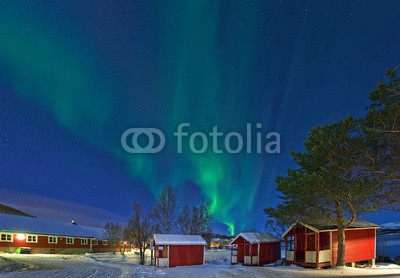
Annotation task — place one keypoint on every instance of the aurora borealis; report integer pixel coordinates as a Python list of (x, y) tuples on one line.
[(75, 75)]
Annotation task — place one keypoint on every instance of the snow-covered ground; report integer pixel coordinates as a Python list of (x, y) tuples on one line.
[(217, 265)]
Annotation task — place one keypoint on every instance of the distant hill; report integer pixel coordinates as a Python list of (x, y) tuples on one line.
[(389, 228), (208, 237), (9, 210)]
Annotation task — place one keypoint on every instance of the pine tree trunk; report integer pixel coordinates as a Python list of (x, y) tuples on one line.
[(341, 247), (340, 261)]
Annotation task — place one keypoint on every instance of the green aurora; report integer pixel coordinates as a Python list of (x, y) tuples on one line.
[(100, 68), (69, 77)]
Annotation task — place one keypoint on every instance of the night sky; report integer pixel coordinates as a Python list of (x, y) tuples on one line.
[(74, 75)]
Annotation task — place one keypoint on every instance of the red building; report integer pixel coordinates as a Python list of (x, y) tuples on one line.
[(316, 245), (255, 249), (178, 250), (42, 236)]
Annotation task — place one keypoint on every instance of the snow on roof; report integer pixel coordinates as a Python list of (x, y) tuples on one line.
[(171, 239), (257, 237), (326, 225), (23, 224)]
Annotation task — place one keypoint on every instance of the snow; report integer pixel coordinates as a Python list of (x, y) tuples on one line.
[(257, 237), (218, 257), (109, 265), (81, 266), (8, 265), (31, 225), (391, 226), (171, 239)]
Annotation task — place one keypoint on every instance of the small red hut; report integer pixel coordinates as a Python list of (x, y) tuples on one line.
[(178, 250), (255, 249), (316, 245)]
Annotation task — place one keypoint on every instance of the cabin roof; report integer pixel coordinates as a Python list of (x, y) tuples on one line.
[(257, 238), (358, 223), (326, 225), (173, 239), (22, 224)]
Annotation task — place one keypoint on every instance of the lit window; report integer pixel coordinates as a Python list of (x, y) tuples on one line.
[(52, 239), (84, 241), (94, 242), (6, 237), (105, 242), (70, 240), (31, 239)]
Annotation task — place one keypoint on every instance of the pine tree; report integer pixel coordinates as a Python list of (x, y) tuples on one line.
[(329, 182), (382, 127)]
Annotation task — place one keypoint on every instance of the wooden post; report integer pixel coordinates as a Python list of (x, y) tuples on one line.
[(294, 245), (330, 246), (231, 254), (286, 244), (204, 255), (317, 248), (305, 244), (168, 255), (374, 247), (251, 257)]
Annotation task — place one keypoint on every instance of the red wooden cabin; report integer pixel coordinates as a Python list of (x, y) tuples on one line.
[(316, 245), (255, 249), (43, 236), (178, 250)]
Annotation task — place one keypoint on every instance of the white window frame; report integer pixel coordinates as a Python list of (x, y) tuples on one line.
[(95, 242), (84, 241), (6, 235), (105, 242), (69, 239), (51, 241), (34, 239)]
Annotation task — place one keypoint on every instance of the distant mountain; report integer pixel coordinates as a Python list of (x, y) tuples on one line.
[(208, 237), (9, 210), (389, 228)]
